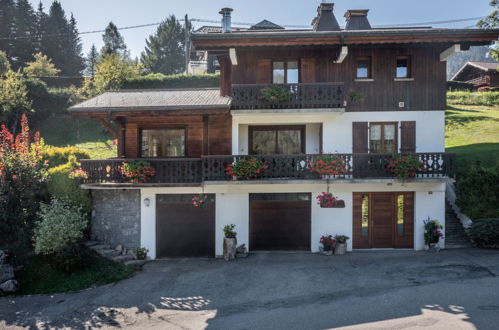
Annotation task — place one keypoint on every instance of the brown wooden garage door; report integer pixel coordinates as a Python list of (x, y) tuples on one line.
[(280, 221), (183, 230)]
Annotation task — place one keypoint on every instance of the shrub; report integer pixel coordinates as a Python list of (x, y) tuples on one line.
[(473, 98), (432, 233), (158, 80), (485, 233), (62, 224), (57, 156), (276, 94), (48, 100), (460, 86), (477, 192)]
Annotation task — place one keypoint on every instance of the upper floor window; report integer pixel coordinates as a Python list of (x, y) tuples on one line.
[(285, 72), (403, 67), (276, 140), (383, 138), (169, 142), (363, 67)]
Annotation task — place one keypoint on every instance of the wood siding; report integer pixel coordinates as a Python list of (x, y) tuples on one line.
[(425, 92)]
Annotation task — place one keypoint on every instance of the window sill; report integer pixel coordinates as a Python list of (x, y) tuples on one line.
[(363, 79), (403, 79)]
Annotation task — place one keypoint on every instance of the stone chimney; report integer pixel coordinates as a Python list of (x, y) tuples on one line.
[(226, 20), (357, 20), (325, 20)]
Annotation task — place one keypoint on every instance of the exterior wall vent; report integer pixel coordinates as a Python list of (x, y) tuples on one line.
[(226, 20), (357, 20), (325, 20)]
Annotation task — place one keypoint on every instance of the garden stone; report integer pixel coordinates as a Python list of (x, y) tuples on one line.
[(9, 286), (90, 243), (6, 273), (119, 248), (3, 257)]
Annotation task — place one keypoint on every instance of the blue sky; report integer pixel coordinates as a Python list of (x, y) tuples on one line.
[(96, 14)]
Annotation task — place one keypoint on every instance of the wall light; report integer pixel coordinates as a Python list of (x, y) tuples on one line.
[(147, 202), (430, 192)]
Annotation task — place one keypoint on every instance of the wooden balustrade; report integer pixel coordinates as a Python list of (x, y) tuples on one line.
[(317, 95), (280, 167)]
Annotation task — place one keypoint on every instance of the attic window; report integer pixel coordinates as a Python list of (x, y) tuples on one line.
[(363, 66), (403, 67)]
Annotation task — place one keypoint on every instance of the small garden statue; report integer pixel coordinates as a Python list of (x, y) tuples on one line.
[(230, 242)]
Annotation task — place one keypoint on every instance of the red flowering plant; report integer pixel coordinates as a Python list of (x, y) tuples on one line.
[(327, 165), (405, 166), (432, 233), (326, 200), (78, 174), (246, 168), (137, 171), (200, 201), (327, 242)]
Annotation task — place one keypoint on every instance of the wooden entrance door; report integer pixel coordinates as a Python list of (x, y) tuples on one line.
[(183, 230), (383, 220), (280, 221)]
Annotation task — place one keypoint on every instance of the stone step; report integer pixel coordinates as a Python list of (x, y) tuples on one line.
[(99, 247), (108, 253), (122, 259), (135, 263), (91, 243)]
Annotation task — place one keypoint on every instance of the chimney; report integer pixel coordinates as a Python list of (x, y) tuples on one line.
[(357, 20), (226, 20), (325, 20)]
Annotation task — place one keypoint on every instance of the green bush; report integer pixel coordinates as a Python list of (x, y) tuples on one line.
[(48, 100), (477, 192), (57, 156), (485, 233), (158, 80), (460, 86), (473, 98)]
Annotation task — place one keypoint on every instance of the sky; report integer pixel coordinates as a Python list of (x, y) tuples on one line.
[(96, 14)]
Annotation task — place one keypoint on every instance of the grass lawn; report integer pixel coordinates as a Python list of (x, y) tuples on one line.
[(39, 277), (87, 134), (472, 132)]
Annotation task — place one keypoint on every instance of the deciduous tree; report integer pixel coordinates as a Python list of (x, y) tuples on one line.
[(42, 66), (112, 70)]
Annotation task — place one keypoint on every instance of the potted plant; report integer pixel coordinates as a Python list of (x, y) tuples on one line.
[(404, 166), (200, 201), (137, 171), (432, 234), (340, 247), (327, 165), (327, 200), (230, 242), (141, 253), (276, 94), (327, 242), (246, 168)]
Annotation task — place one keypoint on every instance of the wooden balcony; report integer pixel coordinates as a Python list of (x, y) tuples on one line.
[(280, 167), (302, 96)]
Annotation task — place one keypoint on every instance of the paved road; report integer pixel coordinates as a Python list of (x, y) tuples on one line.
[(454, 289)]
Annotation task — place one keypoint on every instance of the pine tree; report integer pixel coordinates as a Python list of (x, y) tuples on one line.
[(165, 50), (41, 18), (24, 33), (7, 8), (113, 42), (491, 22), (91, 61), (76, 49)]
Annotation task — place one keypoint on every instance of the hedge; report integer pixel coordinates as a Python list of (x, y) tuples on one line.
[(57, 156), (158, 80), (460, 86), (485, 233), (47, 100), (473, 98)]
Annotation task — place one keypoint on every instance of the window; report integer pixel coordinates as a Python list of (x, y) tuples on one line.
[(169, 142), (383, 138), (285, 72), (276, 140), (363, 65), (403, 67), (400, 215), (365, 215)]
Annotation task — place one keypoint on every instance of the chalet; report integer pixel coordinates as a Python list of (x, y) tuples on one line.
[(287, 98), (482, 75)]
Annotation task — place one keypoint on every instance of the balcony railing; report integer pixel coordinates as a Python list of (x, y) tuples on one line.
[(302, 96), (280, 167)]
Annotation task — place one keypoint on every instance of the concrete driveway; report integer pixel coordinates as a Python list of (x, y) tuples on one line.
[(455, 289)]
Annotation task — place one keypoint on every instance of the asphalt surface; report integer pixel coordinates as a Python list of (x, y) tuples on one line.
[(452, 289)]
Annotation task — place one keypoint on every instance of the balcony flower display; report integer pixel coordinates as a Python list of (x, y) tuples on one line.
[(246, 168), (327, 165), (404, 167), (137, 171), (327, 200), (276, 94), (78, 174), (200, 201)]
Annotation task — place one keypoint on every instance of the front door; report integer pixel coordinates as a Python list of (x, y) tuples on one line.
[(383, 220)]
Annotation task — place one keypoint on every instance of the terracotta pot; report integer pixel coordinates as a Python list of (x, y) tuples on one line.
[(340, 249), (230, 246)]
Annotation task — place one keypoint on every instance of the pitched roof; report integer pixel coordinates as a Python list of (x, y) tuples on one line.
[(266, 25), (155, 99), (485, 66)]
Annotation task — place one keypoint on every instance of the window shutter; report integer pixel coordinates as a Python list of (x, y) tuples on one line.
[(407, 136), (360, 137), (307, 68), (263, 71)]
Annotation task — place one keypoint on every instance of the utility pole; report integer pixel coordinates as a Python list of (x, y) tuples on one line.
[(187, 43)]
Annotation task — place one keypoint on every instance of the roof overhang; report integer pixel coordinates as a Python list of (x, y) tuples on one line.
[(148, 111)]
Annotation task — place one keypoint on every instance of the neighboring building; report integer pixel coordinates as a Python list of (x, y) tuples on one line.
[(362, 94), (483, 75)]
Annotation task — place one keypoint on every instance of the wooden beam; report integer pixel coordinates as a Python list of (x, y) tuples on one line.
[(449, 52), (233, 56), (108, 126), (342, 55)]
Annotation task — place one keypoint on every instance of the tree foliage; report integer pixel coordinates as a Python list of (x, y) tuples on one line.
[(42, 66), (4, 63), (14, 100), (112, 71), (490, 22), (113, 41), (91, 61)]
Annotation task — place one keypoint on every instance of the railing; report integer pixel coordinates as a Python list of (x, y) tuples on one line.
[(317, 95), (280, 167)]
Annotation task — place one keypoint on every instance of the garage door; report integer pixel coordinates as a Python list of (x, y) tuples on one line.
[(280, 221), (183, 230)]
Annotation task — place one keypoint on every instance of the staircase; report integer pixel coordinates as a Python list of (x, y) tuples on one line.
[(118, 254), (455, 236)]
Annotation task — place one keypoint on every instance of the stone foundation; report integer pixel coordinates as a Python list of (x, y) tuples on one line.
[(116, 217)]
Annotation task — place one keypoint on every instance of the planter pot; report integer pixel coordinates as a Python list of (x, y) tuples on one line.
[(230, 246), (338, 204), (434, 247), (325, 252), (340, 249)]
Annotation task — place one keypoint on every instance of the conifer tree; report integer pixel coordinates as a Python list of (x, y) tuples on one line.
[(24, 43), (91, 61), (113, 42), (7, 8)]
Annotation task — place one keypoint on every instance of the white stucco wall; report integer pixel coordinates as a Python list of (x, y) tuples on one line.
[(428, 204), (232, 209)]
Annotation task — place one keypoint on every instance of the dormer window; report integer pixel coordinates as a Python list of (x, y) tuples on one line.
[(363, 66), (403, 67), (285, 72)]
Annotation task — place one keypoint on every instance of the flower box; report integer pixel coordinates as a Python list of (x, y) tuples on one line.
[(328, 201)]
